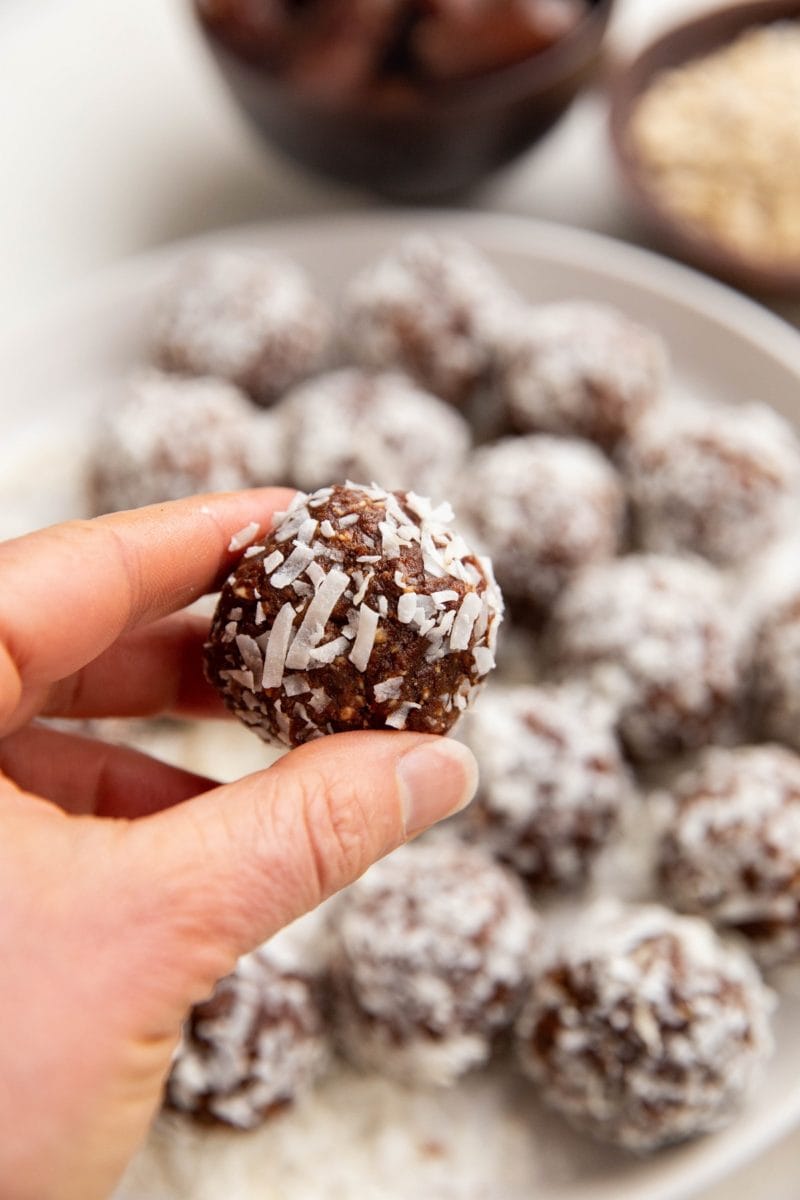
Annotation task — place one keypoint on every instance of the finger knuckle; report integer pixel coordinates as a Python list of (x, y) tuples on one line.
[(335, 832)]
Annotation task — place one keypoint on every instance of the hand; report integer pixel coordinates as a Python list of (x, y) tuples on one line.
[(127, 887)]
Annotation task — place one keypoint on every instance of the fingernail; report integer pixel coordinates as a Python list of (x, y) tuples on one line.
[(437, 779)]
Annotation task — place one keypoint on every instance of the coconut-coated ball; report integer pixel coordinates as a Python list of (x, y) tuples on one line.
[(553, 783), (709, 480), (256, 1044), (361, 609), (542, 507), (730, 850), (434, 308), (164, 437), (581, 369), (245, 315), (351, 424), (656, 636), (432, 951), (643, 1028), (775, 674)]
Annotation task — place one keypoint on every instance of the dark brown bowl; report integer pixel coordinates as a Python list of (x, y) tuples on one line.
[(440, 148), (695, 39)]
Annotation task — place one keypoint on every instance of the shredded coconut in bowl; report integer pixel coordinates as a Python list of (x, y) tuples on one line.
[(718, 142)]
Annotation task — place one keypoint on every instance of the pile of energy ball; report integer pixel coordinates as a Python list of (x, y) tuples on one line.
[(387, 51), (622, 526)]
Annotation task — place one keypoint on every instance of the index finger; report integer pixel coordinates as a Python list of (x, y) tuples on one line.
[(68, 592)]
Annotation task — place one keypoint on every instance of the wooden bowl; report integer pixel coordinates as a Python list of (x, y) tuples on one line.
[(683, 239), (446, 145)]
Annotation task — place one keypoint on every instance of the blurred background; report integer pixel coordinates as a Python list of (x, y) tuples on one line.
[(118, 135)]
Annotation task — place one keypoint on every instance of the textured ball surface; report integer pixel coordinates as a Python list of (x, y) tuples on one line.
[(655, 636), (362, 609), (166, 437), (710, 480), (731, 848), (553, 784), (776, 674), (644, 1028), (433, 308), (350, 424), (254, 1046), (432, 951), (581, 369), (542, 508), (247, 316)]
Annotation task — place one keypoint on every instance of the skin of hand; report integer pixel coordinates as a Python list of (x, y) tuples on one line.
[(127, 887)]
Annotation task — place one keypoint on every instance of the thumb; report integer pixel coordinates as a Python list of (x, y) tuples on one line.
[(236, 864)]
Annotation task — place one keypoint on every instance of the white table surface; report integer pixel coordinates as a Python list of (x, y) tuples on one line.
[(116, 136)]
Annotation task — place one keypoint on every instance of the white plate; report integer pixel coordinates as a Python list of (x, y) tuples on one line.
[(53, 374)]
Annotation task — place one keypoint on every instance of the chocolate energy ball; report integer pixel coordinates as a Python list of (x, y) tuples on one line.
[(432, 308), (553, 785), (456, 41), (351, 424), (581, 369), (165, 437), (542, 507), (432, 951), (361, 609), (731, 847), (775, 676), (643, 1028), (255, 1045), (247, 316), (655, 636), (366, 51), (257, 29), (710, 480)]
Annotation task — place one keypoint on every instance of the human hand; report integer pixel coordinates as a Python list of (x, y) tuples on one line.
[(127, 887)]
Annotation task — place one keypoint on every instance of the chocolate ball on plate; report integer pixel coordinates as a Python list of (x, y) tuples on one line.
[(255, 1045), (776, 674), (245, 315), (712, 480), (164, 437), (730, 850), (644, 1028), (581, 369), (553, 784), (654, 635), (362, 609), (351, 424), (434, 308), (432, 951), (542, 507)]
